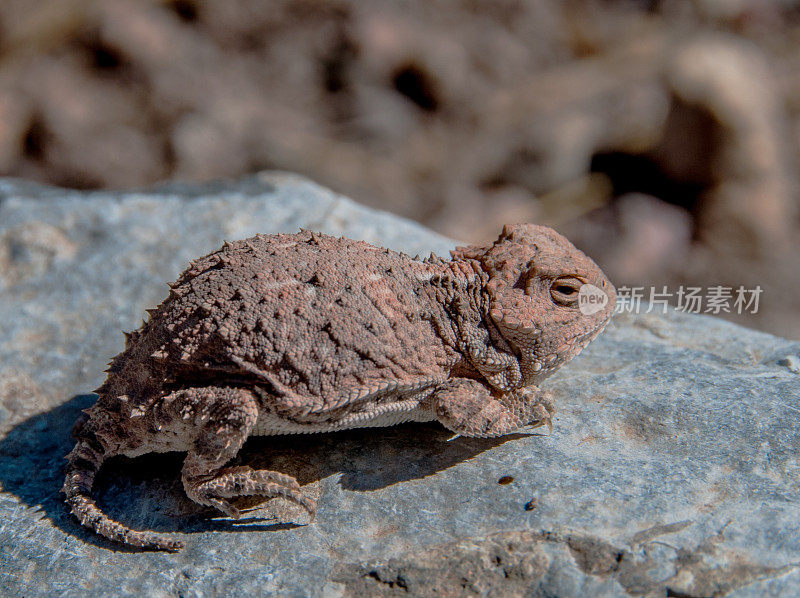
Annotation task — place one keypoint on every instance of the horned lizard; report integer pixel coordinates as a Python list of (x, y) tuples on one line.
[(303, 333)]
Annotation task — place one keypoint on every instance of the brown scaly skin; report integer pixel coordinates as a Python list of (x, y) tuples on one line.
[(306, 333)]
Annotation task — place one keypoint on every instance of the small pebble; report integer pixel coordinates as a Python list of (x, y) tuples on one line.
[(505, 480), (792, 362)]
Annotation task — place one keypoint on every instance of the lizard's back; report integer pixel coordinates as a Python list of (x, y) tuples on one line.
[(307, 315)]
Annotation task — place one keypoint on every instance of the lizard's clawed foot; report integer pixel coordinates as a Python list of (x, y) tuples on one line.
[(233, 482), (542, 417)]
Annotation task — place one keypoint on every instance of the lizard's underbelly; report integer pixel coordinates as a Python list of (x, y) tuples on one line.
[(270, 424)]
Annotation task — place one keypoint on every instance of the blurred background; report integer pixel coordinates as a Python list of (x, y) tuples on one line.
[(661, 136)]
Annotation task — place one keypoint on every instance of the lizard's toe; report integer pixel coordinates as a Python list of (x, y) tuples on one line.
[(542, 417), (225, 507)]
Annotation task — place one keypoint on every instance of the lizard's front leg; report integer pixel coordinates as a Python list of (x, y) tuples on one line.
[(472, 408)]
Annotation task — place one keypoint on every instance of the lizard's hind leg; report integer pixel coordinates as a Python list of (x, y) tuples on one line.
[(223, 418)]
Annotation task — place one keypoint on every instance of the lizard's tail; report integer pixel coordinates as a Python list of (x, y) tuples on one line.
[(84, 463)]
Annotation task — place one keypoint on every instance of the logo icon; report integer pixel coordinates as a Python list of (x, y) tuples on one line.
[(591, 299)]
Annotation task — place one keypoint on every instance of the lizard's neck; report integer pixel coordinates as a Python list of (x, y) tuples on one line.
[(459, 305), (458, 302), (449, 292), (456, 286)]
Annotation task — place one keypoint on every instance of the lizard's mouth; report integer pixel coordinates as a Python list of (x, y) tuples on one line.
[(580, 342), (546, 365)]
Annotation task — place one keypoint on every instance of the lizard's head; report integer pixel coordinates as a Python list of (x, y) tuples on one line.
[(546, 299)]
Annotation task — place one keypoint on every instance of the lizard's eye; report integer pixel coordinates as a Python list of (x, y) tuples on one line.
[(564, 291)]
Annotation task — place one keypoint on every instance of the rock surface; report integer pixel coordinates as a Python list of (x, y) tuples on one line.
[(672, 469)]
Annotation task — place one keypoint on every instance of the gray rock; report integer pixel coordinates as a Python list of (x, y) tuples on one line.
[(672, 469)]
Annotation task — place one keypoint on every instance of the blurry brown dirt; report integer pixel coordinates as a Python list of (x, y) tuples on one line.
[(661, 136)]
